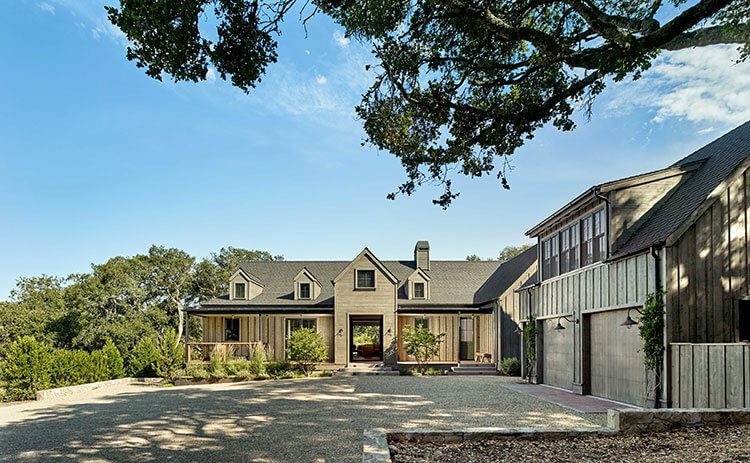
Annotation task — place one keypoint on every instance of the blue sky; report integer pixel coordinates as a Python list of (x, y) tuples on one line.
[(98, 160)]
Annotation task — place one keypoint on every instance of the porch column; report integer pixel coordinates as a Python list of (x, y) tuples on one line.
[(187, 337), (458, 338)]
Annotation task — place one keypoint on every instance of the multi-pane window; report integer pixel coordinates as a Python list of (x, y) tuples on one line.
[(582, 243), (419, 290), (365, 278), (231, 329), (600, 236), (551, 249), (422, 323), (294, 324), (239, 291), (304, 290)]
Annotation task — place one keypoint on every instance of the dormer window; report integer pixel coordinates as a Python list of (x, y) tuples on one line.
[(240, 291), (365, 279), (304, 290), (419, 292)]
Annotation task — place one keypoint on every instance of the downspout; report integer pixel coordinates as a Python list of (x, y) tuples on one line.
[(658, 374), (597, 192)]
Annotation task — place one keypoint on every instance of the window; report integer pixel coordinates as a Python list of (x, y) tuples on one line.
[(294, 324), (744, 321), (599, 237), (232, 328), (304, 290), (587, 241), (366, 279), (419, 291), (239, 291), (422, 323), (550, 258), (569, 249)]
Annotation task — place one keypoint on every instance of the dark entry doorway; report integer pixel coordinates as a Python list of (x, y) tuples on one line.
[(366, 338)]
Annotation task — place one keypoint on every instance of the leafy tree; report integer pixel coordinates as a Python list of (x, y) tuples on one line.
[(473, 258), (422, 344), (307, 348), (510, 252), (25, 368), (143, 358), (171, 355), (212, 274), (113, 360), (457, 83)]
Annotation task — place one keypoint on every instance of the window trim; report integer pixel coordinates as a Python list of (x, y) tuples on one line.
[(244, 290), (414, 290), (578, 222), (309, 290), (425, 320), (365, 288)]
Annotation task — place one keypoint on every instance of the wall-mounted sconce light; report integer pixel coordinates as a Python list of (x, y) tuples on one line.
[(340, 332), (560, 326), (388, 333), (629, 320)]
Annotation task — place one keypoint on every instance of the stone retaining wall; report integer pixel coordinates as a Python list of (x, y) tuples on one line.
[(80, 388), (657, 420)]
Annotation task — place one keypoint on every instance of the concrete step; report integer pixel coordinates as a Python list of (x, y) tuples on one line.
[(473, 370)]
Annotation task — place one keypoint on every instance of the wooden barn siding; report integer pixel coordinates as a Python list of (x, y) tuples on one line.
[(708, 268), (558, 355), (710, 375), (623, 283), (616, 365), (448, 324)]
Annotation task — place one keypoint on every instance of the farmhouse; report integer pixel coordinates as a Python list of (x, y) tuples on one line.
[(684, 229), (362, 306)]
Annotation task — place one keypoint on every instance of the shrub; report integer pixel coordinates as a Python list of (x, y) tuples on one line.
[(170, 355), (233, 367), (510, 367), (433, 371), (196, 371), (281, 369), (422, 344), (71, 367), (26, 368), (113, 359), (307, 348), (142, 361), (245, 374)]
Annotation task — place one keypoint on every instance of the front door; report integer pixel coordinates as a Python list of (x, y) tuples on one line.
[(466, 338), (366, 335)]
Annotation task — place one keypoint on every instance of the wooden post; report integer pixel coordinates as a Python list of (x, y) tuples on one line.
[(187, 337)]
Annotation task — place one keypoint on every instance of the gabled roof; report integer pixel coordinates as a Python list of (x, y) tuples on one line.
[(452, 283), (717, 162), (247, 276), (368, 254), (421, 273), (309, 275)]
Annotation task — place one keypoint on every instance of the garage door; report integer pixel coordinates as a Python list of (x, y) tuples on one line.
[(616, 361), (557, 364)]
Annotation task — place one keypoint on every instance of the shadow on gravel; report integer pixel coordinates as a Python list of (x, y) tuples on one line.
[(276, 421)]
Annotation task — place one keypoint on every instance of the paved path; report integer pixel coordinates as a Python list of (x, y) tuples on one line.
[(315, 420), (575, 402)]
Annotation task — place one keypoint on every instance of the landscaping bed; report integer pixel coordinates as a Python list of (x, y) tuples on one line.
[(695, 444)]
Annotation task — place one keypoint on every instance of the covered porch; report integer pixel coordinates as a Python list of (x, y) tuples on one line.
[(470, 335)]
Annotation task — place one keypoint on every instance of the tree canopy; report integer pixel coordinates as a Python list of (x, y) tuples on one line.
[(508, 252), (458, 85)]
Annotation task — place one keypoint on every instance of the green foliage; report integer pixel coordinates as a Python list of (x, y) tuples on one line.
[(307, 348), (281, 370), (422, 344), (196, 371), (651, 328), (510, 367), (364, 335), (430, 371), (113, 359), (171, 355), (456, 86), (142, 360), (529, 336), (25, 368)]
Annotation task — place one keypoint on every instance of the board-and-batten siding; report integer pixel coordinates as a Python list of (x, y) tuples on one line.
[(448, 324), (274, 333), (708, 269), (619, 284), (710, 375)]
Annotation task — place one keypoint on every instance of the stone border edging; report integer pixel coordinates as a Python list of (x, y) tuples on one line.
[(664, 419), (377, 450), (79, 388)]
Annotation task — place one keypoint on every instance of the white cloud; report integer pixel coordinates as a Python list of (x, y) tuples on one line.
[(340, 39), (46, 7), (702, 85), (321, 79), (91, 15)]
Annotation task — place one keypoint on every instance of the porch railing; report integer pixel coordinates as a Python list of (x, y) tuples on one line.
[(203, 351)]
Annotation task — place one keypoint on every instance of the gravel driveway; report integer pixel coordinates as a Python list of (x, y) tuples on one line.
[(315, 420)]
